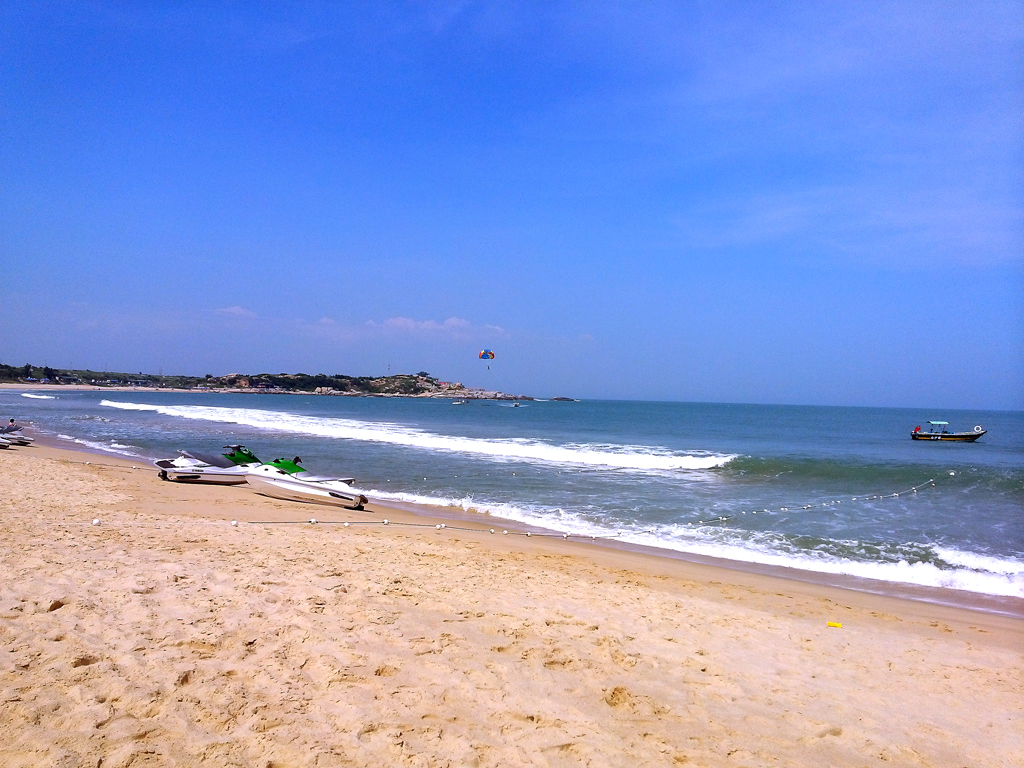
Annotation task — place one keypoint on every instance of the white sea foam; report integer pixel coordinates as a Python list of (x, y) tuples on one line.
[(993, 582), (969, 572), (629, 457), (981, 563), (111, 447), (38, 397)]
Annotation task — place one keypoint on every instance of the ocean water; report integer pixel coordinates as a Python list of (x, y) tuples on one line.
[(808, 487)]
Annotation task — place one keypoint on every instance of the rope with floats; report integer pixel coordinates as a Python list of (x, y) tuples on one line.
[(385, 522), (797, 508), (594, 537), (436, 526), (568, 535), (714, 520)]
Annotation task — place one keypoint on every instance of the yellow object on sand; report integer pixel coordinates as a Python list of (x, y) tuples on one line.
[(835, 624)]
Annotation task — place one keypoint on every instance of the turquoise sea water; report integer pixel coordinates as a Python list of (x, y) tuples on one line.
[(797, 486)]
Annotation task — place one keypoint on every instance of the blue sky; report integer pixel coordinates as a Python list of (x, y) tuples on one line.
[(815, 203)]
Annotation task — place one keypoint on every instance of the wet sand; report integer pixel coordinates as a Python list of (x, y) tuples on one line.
[(166, 636)]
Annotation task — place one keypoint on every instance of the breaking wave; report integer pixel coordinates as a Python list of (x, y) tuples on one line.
[(111, 447), (628, 457)]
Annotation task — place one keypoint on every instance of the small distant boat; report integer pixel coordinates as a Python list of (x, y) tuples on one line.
[(194, 467), (937, 431), (460, 402), (516, 405), (284, 479)]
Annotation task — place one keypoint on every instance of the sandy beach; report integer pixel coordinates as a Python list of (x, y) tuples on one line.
[(166, 636), (57, 388)]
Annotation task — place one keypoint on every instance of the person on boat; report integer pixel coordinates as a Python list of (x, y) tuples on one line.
[(917, 428)]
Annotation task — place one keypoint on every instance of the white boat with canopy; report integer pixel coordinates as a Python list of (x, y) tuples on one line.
[(937, 430)]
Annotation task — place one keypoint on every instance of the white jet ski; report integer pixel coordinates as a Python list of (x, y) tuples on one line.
[(193, 467), (12, 435), (4, 443), (285, 479)]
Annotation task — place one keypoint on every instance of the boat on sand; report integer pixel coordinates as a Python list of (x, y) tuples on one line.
[(12, 435), (275, 480), (228, 468)]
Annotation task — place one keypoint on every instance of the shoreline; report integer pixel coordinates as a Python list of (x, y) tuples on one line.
[(164, 635), (466, 394), (1010, 607)]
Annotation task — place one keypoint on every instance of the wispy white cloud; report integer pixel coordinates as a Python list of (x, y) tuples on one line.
[(452, 325), (893, 226), (236, 312), (439, 16), (757, 219), (456, 328)]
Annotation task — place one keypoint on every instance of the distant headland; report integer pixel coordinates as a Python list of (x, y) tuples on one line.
[(420, 384)]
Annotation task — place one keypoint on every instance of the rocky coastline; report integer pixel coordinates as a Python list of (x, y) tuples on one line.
[(420, 384)]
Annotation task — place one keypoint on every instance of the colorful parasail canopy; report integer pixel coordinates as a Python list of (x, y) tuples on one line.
[(487, 355)]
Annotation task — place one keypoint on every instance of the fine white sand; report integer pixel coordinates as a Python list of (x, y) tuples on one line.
[(165, 636)]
